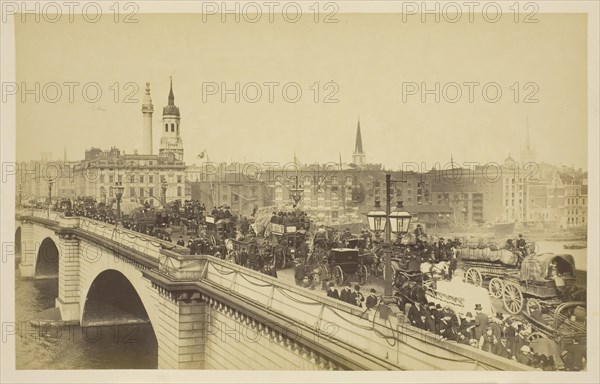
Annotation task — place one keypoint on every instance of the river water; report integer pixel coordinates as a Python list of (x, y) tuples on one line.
[(72, 347)]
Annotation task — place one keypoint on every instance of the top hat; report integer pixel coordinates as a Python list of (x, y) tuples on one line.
[(373, 290)]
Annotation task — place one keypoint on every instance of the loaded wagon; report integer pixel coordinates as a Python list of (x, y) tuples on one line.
[(547, 278)]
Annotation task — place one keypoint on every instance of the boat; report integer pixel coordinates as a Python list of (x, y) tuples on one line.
[(578, 245), (503, 229)]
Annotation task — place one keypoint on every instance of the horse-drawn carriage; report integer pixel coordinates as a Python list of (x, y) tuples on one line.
[(288, 241), (564, 323), (342, 263), (220, 229), (547, 278)]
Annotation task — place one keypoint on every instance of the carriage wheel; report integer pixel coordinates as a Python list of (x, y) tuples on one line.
[(512, 298), (363, 274), (532, 305), (473, 277), (496, 287), (339, 275)]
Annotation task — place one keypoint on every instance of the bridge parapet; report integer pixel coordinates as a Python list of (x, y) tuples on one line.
[(182, 267), (377, 339)]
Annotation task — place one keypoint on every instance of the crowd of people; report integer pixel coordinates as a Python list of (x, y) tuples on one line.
[(296, 218), (501, 335)]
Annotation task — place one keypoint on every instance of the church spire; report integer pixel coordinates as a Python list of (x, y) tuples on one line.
[(358, 147), (171, 96), (359, 157), (171, 109)]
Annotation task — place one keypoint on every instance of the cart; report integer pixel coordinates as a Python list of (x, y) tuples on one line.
[(537, 280)]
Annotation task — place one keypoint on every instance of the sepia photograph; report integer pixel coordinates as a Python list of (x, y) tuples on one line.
[(285, 191)]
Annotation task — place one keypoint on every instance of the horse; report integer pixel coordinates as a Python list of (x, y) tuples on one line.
[(437, 270)]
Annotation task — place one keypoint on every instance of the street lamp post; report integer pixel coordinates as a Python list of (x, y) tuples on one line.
[(50, 182), (388, 221), (20, 195), (163, 186), (119, 188), (296, 193)]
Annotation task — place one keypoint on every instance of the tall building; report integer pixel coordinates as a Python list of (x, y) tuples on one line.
[(147, 110), (171, 142), (359, 157)]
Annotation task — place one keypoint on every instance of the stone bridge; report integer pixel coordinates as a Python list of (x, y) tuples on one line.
[(207, 313)]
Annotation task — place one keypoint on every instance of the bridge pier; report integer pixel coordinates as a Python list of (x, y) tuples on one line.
[(68, 301), (181, 332), (28, 251)]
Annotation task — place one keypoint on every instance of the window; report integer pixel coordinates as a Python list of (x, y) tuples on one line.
[(141, 178), (179, 178), (236, 197), (150, 191), (131, 192), (132, 179), (110, 191), (150, 162), (151, 179), (141, 192), (102, 178), (166, 127), (172, 127), (120, 178), (111, 179), (179, 191)]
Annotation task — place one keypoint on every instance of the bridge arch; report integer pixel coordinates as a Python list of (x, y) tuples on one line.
[(46, 265), (112, 299)]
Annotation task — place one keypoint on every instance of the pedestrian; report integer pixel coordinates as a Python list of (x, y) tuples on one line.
[(345, 294), (299, 272), (372, 299), (357, 297), (181, 242), (333, 292), (487, 341), (323, 276), (524, 356), (415, 315), (481, 322)]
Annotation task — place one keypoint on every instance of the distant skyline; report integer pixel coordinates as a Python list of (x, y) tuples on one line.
[(367, 56)]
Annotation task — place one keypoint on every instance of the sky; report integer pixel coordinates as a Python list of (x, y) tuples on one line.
[(369, 63)]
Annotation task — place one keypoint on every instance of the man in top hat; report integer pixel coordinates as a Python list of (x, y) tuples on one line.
[(181, 242), (430, 319), (333, 292), (372, 299), (357, 297), (481, 321), (346, 293), (415, 315)]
